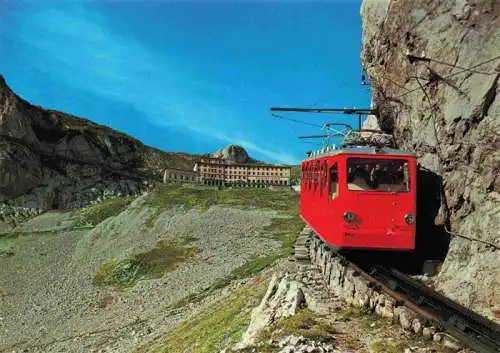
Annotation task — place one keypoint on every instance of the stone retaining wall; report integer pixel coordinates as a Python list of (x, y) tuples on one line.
[(355, 290)]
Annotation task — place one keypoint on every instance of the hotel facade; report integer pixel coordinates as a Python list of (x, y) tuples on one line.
[(216, 171)]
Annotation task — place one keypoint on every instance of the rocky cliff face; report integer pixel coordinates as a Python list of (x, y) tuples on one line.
[(49, 159), (434, 66)]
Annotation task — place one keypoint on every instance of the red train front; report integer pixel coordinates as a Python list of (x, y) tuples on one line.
[(361, 197)]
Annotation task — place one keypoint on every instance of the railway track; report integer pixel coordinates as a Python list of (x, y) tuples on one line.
[(432, 309)]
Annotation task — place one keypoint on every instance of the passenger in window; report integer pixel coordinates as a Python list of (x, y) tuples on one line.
[(362, 173), (351, 174), (375, 177), (400, 174)]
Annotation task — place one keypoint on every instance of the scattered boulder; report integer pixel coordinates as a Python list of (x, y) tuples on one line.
[(294, 344), (284, 297)]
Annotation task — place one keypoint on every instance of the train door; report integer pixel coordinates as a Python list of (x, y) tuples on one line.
[(307, 191), (302, 187), (322, 194), (334, 192), (333, 181), (304, 190)]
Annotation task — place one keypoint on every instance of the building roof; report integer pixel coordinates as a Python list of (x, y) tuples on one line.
[(179, 170), (332, 151), (258, 165)]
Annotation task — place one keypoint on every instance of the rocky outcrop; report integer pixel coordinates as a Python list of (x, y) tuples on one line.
[(284, 297), (298, 344), (434, 67), (49, 159), (233, 154)]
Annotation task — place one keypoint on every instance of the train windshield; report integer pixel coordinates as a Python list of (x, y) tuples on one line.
[(369, 174)]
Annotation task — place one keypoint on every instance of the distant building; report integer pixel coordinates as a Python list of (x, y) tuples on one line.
[(173, 175), (216, 171), (210, 170)]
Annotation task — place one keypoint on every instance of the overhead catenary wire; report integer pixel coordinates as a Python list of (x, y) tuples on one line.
[(341, 85), (426, 59), (300, 122), (296, 121), (291, 126), (433, 107), (451, 75), (309, 143), (496, 247), (386, 77), (439, 155)]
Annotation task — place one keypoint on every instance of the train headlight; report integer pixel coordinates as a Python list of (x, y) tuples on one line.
[(348, 217), (409, 219)]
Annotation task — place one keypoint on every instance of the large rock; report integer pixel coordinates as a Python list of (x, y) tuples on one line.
[(233, 154), (435, 68), (284, 297)]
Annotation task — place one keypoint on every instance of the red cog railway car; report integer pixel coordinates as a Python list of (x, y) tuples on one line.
[(360, 197)]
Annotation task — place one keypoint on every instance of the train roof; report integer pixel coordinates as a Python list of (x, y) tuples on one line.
[(332, 151)]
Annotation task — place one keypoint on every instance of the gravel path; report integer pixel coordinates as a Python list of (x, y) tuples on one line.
[(48, 301)]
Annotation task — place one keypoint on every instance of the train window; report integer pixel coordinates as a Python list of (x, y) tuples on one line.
[(318, 174), (311, 176), (320, 178), (371, 174), (306, 174), (334, 181), (308, 177), (315, 177), (322, 185)]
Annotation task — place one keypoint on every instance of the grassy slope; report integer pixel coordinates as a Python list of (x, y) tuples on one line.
[(283, 229), (96, 213), (225, 321), (147, 265), (220, 324)]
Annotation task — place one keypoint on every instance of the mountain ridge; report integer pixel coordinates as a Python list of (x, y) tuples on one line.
[(51, 159)]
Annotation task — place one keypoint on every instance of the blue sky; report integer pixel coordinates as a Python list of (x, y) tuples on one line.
[(188, 76)]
